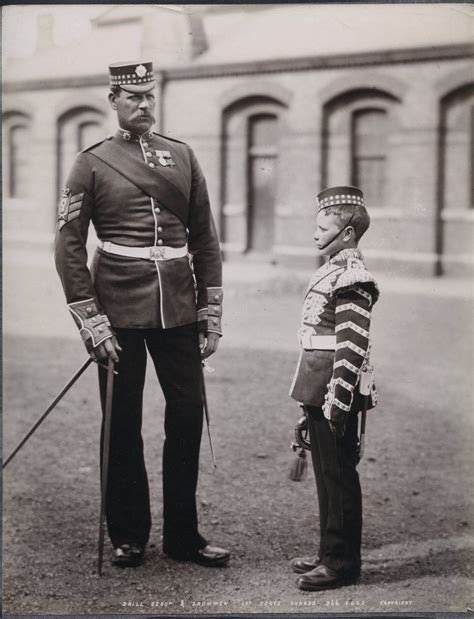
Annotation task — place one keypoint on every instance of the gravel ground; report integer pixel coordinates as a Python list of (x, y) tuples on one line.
[(416, 473)]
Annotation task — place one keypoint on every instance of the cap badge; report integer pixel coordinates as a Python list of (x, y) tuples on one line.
[(140, 70), (164, 158)]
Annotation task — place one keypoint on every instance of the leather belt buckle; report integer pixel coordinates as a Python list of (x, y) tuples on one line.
[(157, 253)]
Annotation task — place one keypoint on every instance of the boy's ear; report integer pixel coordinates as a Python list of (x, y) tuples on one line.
[(348, 234)]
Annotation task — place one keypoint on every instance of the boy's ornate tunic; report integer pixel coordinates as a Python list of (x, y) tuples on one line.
[(334, 334), (142, 194)]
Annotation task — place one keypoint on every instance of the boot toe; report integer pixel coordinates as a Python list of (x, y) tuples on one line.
[(301, 565)]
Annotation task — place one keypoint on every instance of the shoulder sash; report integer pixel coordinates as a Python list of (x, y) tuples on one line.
[(149, 180)]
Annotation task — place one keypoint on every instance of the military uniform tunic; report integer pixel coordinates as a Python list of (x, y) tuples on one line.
[(132, 199), (337, 305)]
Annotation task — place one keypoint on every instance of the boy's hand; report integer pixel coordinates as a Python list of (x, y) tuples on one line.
[(338, 428)]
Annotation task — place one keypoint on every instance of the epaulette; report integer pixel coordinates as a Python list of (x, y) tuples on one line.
[(85, 150), (356, 275), (166, 137)]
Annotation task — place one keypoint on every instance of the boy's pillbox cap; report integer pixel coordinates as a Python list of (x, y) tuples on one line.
[(132, 76), (343, 194)]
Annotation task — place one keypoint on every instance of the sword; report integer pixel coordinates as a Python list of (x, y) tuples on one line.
[(365, 386), (60, 395), (206, 411), (105, 461), (363, 419)]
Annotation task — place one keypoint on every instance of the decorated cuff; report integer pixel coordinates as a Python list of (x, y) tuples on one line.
[(93, 326), (333, 408), (212, 314)]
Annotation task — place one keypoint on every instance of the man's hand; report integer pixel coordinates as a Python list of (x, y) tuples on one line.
[(109, 348), (209, 344)]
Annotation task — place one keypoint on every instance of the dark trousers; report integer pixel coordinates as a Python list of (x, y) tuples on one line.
[(339, 495), (176, 356)]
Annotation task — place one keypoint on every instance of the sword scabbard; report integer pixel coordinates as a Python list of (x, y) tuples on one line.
[(105, 462)]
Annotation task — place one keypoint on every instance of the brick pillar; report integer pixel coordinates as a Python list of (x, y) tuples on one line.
[(414, 177), (299, 181), (44, 173)]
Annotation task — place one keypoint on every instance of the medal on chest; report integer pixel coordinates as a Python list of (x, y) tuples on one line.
[(164, 158)]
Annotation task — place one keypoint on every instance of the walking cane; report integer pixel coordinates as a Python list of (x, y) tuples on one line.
[(60, 395), (206, 413), (105, 461)]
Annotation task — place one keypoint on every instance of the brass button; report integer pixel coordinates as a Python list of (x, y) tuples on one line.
[(89, 310), (215, 321), (152, 165), (160, 242), (145, 144), (160, 229), (148, 154), (157, 210), (216, 297), (100, 329)]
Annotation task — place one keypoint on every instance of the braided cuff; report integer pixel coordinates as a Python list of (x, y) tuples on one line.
[(93, 326)]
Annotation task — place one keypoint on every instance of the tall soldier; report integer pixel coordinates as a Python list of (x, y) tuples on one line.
[(147, 199), (335, 344)]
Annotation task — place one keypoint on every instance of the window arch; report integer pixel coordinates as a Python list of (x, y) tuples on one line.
[(251, 134), (357, 126), (78, 128), (16, 155)]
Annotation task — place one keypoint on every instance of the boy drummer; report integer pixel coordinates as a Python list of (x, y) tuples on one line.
[(335, 343)]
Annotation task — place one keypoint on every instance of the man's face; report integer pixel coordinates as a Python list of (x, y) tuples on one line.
[(328, 241), (135, 111)]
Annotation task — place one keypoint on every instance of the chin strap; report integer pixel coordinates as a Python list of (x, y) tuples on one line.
[(340, 232)]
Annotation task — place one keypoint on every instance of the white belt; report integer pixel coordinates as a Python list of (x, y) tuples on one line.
[(318, 342), (156, 252)]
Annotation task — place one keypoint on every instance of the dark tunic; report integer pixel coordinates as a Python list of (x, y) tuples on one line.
[(132, 199)]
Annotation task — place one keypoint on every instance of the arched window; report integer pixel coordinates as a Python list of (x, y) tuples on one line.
[(88, 133), (357, 127), (369, 153), (457, 138), (251, 136), (455, 231), (16, 155), (77, 129), (262, 160)]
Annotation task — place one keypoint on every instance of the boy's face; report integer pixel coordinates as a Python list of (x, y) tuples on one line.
[(327, 237)]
